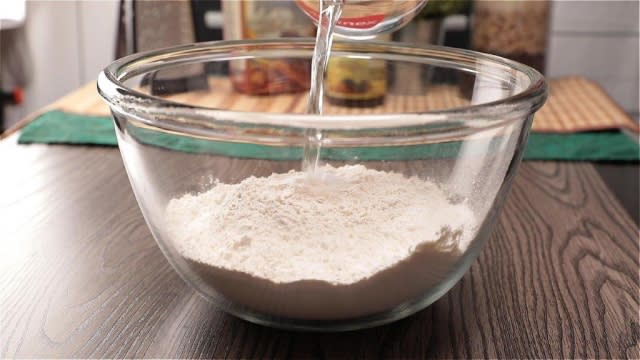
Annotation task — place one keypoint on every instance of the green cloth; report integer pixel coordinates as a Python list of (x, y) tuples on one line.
[(58, 127)]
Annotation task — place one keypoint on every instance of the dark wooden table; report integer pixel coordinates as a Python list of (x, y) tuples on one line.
[(81, 276)]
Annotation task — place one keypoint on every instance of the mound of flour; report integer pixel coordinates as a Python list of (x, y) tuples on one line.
[(348, 242)]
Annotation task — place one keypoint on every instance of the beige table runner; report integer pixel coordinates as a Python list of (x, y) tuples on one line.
[(575, 104)]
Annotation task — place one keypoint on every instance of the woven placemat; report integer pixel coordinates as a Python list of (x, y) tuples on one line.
[(575, 104)]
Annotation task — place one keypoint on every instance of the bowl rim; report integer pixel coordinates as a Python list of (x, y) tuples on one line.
[(159, 112)]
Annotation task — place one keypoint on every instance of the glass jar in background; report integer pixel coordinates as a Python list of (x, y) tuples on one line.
[(515, 29), (256, 19), (357, 82)]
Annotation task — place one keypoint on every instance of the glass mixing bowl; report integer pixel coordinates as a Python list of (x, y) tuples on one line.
[(451, 122)]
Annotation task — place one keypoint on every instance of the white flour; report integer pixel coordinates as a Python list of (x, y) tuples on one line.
[(353, 242)]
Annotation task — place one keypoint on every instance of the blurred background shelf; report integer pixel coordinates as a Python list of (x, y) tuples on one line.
[(72, 41)]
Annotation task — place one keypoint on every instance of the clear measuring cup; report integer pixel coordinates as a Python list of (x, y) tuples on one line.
[(363, 19)]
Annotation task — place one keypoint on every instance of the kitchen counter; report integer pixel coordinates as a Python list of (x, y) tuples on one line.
[(81, 275)]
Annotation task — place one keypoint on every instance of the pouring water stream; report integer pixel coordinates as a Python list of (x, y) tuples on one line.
[(397, 12), (330, 11)]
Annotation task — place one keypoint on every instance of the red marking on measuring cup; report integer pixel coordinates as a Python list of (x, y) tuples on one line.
[(362, 22)]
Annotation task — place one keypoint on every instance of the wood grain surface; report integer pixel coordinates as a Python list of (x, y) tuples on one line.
[(80, 276)]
